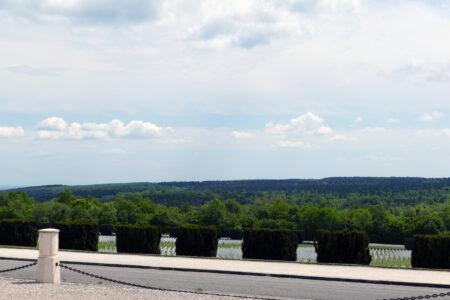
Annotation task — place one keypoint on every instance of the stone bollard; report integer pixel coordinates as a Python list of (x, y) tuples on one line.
[(48, 269)]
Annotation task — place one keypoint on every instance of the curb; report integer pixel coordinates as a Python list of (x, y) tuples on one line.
[(320, 278)]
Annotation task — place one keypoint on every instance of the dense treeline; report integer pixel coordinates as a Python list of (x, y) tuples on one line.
[(243, 191), (387, 217), (339, 185)]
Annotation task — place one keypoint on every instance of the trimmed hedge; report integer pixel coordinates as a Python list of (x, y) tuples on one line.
[(234, 234), (138, 239), (351, 247), (78, 236), (18, 232), (300, 235), (409, 243), (277, 244), (431, 251), (106, 229), (194, 240), (171, 231)]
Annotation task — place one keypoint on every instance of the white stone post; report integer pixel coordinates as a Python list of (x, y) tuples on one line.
[(48, 269)]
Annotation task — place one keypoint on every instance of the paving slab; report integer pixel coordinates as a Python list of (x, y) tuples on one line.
[(418, 277)]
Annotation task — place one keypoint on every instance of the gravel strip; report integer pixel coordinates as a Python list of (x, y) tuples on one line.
[(29, 289)]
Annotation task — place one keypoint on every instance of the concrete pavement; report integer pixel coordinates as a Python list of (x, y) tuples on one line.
[(413, 277)]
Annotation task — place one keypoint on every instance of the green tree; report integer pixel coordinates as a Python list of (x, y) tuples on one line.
[(232, 206), (127, 212), (107, 214), (428, 225), (66, 197), (212, 213), (21, 203)]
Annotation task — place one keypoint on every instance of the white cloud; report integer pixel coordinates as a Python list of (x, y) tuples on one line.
[(293, 144), (247, 26), (135, 129), (299, 132), (55, 128), (11, 131), (340, 137), (307, 124), (358, 120), (444, 132), (427, 71), (52, 124), (240, 134), (374, 129), (430, 117), (392, 121)]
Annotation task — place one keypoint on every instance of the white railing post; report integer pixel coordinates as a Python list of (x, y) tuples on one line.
[(48, 269)]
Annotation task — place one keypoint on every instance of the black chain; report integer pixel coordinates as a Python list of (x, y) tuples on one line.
[(421, 297), (160, 289), (18, 268)]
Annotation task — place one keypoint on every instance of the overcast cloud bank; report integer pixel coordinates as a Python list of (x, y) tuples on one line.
[(184, 90)]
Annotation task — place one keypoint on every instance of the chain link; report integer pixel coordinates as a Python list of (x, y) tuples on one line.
[(160, 289), (421, 297), (18, 268)]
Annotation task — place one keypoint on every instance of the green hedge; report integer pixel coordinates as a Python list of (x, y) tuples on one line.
[(78, 236), (138, 239), (194, 240), (351, 247), (18, 232), (106, 229), (409, 243), (234, 234), (431, 251), (278, 244), (171, 231), (300, 235)]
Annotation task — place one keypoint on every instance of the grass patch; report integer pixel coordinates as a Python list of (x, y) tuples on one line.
[(166, 245), (106, 246), (24, 247), (227, 246), (392, 263)]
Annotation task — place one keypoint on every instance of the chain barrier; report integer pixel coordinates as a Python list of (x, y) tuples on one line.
[(217, 294), (421, 297), (18, 268), (193, 292), (160, 289)]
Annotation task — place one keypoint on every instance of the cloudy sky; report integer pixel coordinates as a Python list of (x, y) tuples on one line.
[(95, 91)]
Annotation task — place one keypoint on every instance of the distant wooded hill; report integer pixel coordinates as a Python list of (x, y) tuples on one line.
[(200, 192)]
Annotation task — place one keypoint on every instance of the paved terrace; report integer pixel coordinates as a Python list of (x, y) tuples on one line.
[(416, 277)]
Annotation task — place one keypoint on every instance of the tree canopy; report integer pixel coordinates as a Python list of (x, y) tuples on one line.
[(386, 215)]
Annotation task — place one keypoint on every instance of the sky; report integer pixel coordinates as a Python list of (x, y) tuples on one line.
[(97, 91)]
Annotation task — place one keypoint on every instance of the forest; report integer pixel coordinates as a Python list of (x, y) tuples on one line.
[(389, 209)]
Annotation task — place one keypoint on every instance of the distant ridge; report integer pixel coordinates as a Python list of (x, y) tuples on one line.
[(41, 186), (341, 186), (8, 187)]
